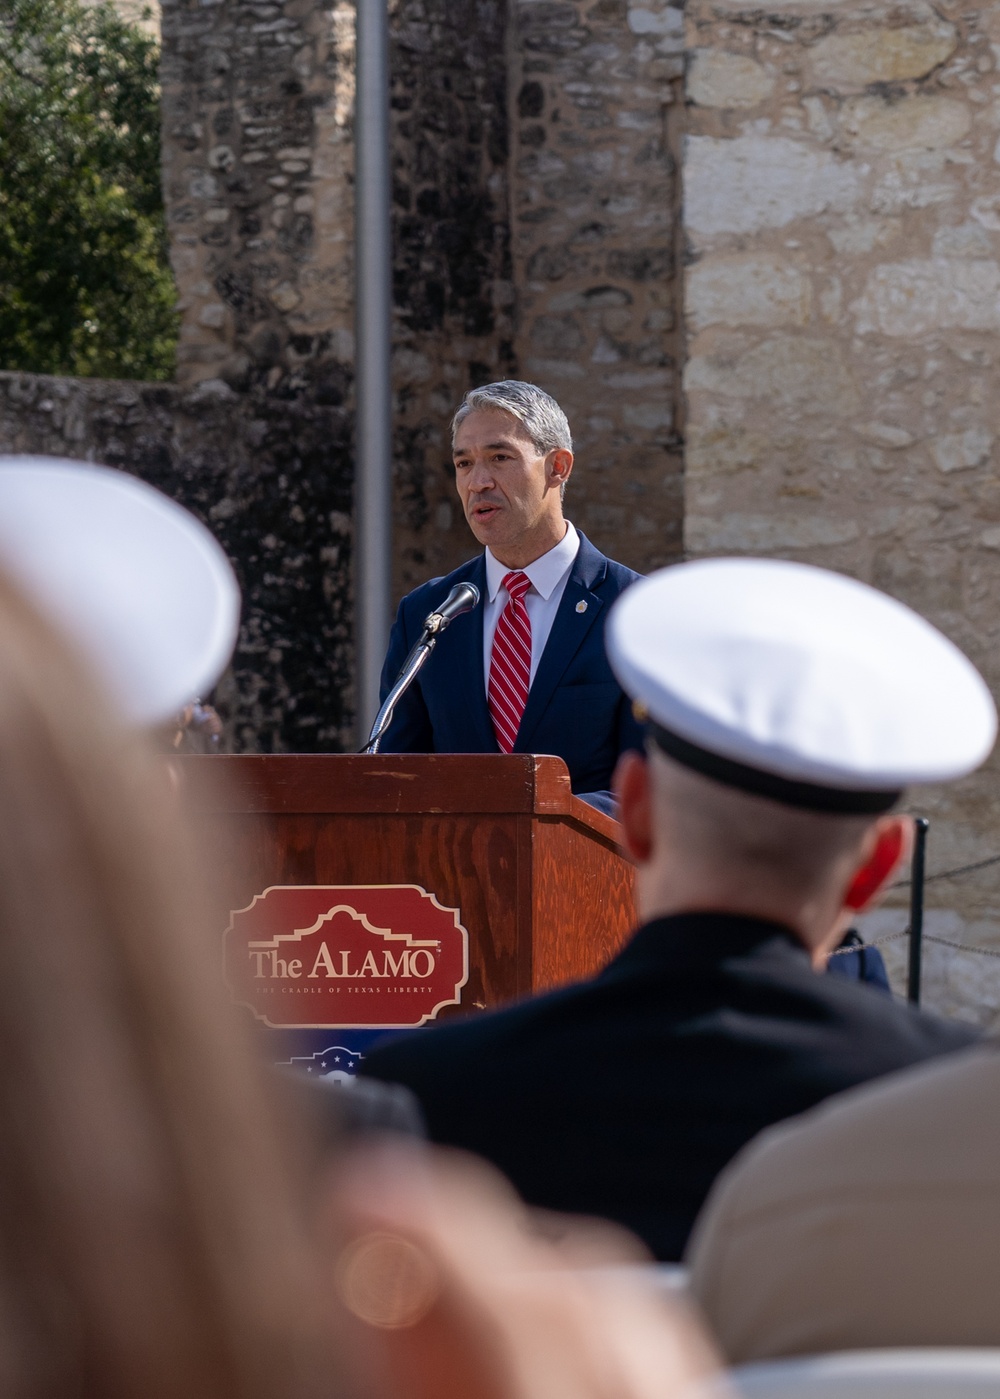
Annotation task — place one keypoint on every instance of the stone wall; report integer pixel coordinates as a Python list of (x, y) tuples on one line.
[(594, 217), (842, 223), (271, 478), (258, 180), (257, 161), (452, 269), (536, 203), (534, 200)]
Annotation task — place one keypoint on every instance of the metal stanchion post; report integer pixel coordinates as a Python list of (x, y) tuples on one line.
[(917, 910)]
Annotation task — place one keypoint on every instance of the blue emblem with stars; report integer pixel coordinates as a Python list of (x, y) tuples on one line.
[(337, 1062), (329, 1053)]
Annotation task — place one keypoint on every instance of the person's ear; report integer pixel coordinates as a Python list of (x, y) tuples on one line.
[(887, 846), (560, 465), (633, 792)]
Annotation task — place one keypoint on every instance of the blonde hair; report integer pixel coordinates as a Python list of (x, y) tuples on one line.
[(152, 1238)]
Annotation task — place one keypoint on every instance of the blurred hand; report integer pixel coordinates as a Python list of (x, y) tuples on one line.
[(453, 1288)]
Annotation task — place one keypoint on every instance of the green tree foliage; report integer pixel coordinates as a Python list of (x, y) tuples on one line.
[(85, 283)]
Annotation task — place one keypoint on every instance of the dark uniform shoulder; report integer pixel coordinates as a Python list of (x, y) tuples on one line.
[(473, 1047), (895, 1032)]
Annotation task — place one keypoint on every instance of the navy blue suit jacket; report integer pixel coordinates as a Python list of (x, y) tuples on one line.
[(576, 709)]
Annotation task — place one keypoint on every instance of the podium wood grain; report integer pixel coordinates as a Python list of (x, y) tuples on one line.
[(543, 890)]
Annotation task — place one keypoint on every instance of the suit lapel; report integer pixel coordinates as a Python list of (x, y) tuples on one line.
[(466, 662), (569, 631)]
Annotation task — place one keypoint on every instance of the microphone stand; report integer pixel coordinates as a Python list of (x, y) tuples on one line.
[(461, 598), (409, 672)]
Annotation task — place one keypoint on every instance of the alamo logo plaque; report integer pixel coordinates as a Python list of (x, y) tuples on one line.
[(322, 956)]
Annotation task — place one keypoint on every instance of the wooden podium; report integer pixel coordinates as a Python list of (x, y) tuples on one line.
[(530, 872)]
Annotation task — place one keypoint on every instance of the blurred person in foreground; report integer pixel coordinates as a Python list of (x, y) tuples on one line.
[(453, 1288), (872, 1221), (135, 584), (165, 1228), (153, 1233), (786, 709)]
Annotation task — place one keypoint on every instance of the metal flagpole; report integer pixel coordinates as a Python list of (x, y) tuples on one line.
[(917, 909), (373, 349)]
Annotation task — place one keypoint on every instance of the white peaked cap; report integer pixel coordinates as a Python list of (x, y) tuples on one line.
[(139, 585), (759, 669)]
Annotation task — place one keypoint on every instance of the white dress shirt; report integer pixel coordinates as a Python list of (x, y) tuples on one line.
[(548, 577)]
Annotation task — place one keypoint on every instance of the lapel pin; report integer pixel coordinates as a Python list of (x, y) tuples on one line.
[(581, 606)]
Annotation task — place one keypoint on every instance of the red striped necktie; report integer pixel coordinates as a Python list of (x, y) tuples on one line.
[(510, 663)]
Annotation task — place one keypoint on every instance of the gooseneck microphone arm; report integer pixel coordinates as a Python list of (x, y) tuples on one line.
[(462, 598)]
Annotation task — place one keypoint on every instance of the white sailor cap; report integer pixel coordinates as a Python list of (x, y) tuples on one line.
[(130, 577), (797, 684)]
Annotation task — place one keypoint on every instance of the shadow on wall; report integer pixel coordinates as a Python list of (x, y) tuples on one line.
[(272, 479)]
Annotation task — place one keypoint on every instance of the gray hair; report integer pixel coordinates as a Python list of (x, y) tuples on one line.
[(537, 412)]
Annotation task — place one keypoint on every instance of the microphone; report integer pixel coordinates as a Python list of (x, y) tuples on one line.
[(462, 598)]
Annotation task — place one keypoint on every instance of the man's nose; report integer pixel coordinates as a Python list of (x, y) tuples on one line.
[(480, 477)]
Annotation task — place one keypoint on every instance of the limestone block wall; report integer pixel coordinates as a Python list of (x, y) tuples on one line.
[(271, 478), (534, 197), (453, 294), (594, 200), (842, 303), (536, 220), (258, 171), (257, 159)]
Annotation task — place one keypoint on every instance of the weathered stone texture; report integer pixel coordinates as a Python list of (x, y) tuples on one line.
[(593, 210), (720, 79), (750, 183), (553, 260), (842, 212), (453, 292), (257, 151), (258, 142), (271, 478), (954, 982), (752, 290)]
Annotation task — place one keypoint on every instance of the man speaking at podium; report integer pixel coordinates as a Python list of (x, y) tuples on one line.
[(525, 670)]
